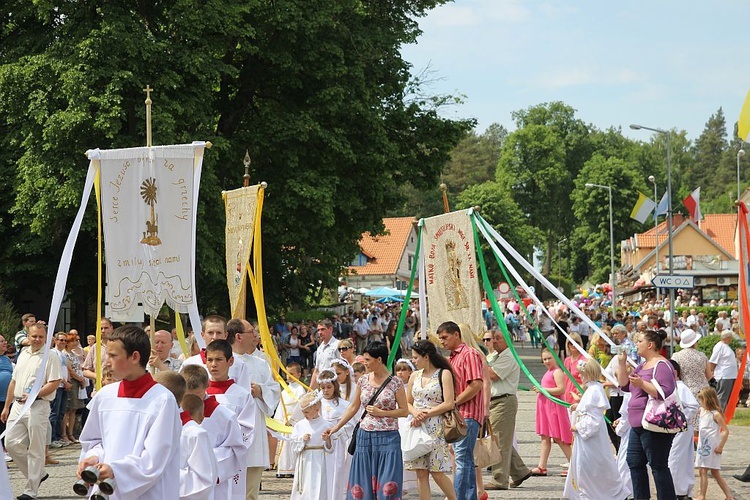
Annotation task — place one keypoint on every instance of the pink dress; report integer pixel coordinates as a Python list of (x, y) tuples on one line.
[(572, 365), (552, 419)]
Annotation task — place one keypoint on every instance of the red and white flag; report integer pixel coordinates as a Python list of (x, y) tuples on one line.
[(693, 204)]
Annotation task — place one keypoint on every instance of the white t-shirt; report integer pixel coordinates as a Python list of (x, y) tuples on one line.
[(726, 362)]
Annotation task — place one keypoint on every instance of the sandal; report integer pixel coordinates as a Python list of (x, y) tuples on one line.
[(538, 471), (564, 473), (72, 439)]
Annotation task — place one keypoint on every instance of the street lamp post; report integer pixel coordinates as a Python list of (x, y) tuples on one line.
[(559, 261), (740, 154), (670, 228), (652, 180), (613, 281)]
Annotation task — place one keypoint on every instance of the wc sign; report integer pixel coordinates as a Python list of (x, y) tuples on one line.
[(673, 281)]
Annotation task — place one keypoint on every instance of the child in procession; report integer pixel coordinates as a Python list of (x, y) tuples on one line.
[(552, 421), (199, 470), (404, 368), (682, 454), (223, 430), (345, 377), (593, 471), (313, 452), (132, 433), (288, 413), (219, 360), (332, 407), (712, 436)]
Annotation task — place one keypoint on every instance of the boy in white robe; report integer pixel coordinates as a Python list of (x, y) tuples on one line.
[(265, 392), (593, 471), (214, 328), (230, 395), (289, 413), (622, 429), (199, 470), (223, 431), (132, 433), (312, 452), (682, 454)]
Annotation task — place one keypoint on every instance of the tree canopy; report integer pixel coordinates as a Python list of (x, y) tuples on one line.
[(317, 92)]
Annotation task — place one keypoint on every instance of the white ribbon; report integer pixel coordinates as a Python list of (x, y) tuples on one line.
[(61, 282), (538, 302), (422, 286)]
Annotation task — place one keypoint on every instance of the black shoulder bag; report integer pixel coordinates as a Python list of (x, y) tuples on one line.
[(353, 442)]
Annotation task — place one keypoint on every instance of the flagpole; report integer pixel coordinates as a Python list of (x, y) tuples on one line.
[(652, 180), (149, 143), (668, 134)]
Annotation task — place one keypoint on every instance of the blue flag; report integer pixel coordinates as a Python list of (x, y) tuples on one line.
[(662, 207)]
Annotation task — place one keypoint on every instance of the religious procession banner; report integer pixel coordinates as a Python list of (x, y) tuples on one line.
[(149, 198), (452, 280), (240, 206)]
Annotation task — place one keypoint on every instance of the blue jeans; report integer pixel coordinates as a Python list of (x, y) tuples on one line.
[(652, 448), (57, 407), (465, 479)]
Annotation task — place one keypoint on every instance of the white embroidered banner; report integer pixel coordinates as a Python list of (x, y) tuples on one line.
[(149, 198), (240, 205), (451, 273)]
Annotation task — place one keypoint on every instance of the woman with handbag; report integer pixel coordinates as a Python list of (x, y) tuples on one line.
[(647, 446), (377, 469), (427, 403)]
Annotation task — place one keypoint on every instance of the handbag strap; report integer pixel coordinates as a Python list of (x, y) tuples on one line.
[(375, 396), (656, 383)]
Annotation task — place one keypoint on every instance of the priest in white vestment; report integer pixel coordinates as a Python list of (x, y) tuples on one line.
[(265, 391)]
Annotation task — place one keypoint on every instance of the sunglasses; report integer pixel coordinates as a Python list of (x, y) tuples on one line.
[(486, 340), (342, 349)]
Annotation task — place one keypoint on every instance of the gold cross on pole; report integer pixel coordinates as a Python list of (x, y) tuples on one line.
[(148, 91)]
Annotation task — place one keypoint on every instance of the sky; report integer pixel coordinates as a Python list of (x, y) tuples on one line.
[(662, 64)]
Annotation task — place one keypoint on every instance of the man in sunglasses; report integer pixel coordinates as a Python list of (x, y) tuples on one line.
[(327, 351)]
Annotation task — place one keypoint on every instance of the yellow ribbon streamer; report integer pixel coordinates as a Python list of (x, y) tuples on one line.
[(98, 345)]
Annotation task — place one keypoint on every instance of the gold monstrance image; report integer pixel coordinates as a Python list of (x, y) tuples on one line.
[(148, 193)]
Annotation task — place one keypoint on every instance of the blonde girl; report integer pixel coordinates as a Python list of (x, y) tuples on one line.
[(712, 436), (593, 470), (404, 368), (333, 407)]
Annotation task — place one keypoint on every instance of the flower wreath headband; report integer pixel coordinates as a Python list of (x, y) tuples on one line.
[(408, 363), (326, 380), (318, 397), (344, 363)]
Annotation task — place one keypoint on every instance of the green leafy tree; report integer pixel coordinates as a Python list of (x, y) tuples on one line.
[(316, 90), (591, 207)]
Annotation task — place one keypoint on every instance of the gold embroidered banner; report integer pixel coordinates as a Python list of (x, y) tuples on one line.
[(240, 206), (452, 277), (149, 198)]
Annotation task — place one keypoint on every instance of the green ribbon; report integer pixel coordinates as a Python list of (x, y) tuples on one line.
[(558, 361), (501, 321), (405, 305)]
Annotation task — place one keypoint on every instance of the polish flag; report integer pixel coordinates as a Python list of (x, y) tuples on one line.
[(693, 204)]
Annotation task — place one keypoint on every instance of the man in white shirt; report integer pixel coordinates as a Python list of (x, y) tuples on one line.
[(723, 367), (58, 405), (160, 359), (327, 350), (26, 440), (360, 328)]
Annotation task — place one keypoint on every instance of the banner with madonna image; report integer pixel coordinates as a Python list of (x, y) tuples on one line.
[(451, 274)]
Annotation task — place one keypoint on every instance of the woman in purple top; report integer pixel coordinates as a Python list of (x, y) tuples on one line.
[(646, 446)]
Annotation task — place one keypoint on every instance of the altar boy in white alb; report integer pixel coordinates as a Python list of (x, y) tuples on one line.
[(214, 328), (223, 431), (133, 430), (219, 359)]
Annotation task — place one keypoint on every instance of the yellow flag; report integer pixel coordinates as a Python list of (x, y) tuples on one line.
[(743, 124)]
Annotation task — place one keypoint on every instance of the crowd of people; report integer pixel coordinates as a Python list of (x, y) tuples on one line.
[(342, 414)]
